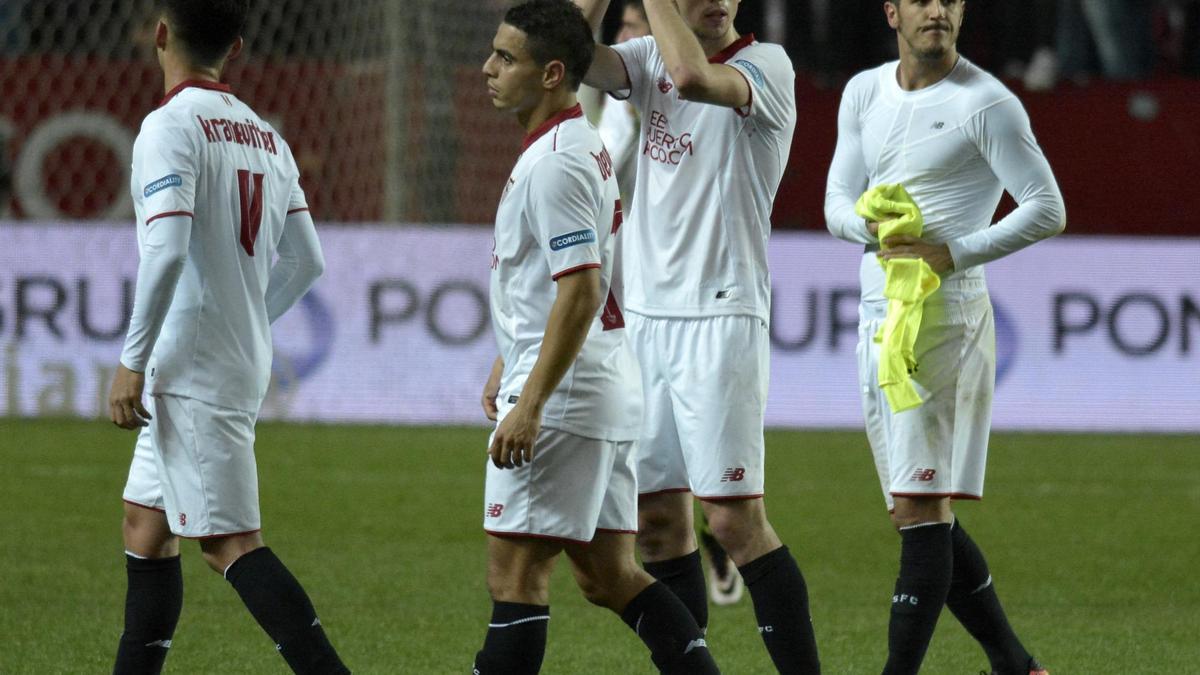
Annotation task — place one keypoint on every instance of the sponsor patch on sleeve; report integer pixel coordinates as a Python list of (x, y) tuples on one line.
[(168, 181), (571, 239), (755, 73)]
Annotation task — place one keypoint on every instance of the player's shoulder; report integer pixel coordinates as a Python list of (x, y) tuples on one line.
[(864, 85), (164, 123), (981, 88), (767, 53)]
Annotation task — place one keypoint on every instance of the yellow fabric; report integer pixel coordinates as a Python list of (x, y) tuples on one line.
[(908, 282)]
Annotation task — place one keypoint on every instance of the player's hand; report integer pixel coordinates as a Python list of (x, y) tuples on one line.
[(903, 246), (125, 407), (512, 445), (491, 390), (873, 228)]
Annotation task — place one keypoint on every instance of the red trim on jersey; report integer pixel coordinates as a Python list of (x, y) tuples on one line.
[(144, 506), (577, 268), (530, 535), (297, 210), (729, 498), (662, 492), (545, 127), (218, 536), (199, 84), (951, 495), (727, 53), (168, 214)]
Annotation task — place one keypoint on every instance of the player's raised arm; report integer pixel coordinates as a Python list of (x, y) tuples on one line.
[(696, 78), (1005, 139), (607, 72)]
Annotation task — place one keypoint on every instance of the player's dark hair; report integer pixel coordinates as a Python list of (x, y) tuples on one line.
[(555, 30), (207, 28)]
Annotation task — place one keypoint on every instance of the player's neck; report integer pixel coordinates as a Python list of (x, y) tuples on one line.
[(917, 73), (716, 46), (176, 71), (550, 105)]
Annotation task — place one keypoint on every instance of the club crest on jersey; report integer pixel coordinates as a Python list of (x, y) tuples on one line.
[(753, 70), (168, 181), (665, 86), (571, 239)]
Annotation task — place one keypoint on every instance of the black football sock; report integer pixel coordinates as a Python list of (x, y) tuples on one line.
[(781, 606), (283, 609), (926, 563), (685, 577), (153, 601), (662, 621), (516, 640), (974, 602)]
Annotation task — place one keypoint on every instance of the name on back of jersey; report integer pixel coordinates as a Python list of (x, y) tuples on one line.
[(218, 130)]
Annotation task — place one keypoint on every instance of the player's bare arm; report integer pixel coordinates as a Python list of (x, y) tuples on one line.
[(575, 307), (696, 78), (491, 389), (607, 72)]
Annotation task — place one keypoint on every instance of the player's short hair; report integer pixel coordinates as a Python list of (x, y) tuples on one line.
[(207, 28), (555, 30)]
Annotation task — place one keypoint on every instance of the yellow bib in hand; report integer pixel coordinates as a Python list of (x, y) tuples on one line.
[(908, 281)]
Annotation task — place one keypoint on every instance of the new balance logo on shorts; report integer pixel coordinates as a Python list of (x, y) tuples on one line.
[(923, 475), (494, 510), (733, 474)]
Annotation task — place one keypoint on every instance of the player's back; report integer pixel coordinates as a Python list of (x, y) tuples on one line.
[(207, 155)]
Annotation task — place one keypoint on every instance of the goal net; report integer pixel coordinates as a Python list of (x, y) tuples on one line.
[(382, 102)]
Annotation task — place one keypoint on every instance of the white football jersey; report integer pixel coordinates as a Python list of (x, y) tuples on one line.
[(956, 146), (698, 226), (560, 213), (206, 155)]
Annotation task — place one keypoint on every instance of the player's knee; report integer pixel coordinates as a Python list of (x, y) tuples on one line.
[(735, 523), (612, 587)]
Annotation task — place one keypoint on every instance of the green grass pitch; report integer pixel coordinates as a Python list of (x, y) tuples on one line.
[(1092, 539)]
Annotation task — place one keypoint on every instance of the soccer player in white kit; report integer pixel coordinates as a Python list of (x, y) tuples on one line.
[(619, 125), (564, 389), (216, 192), (956, 139), (718, 111)]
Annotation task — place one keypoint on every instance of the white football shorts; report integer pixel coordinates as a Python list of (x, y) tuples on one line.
[(938, 449), (195, 462), (573, 488), (705, 386)]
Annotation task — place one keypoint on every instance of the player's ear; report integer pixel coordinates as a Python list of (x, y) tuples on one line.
[(892, 10), (553, 74), (160, 34), (235, 49)]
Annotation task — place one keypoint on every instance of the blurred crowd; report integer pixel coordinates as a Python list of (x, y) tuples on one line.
[(1039, 42)]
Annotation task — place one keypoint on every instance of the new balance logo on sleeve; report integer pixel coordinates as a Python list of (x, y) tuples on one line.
[(494, 510)]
